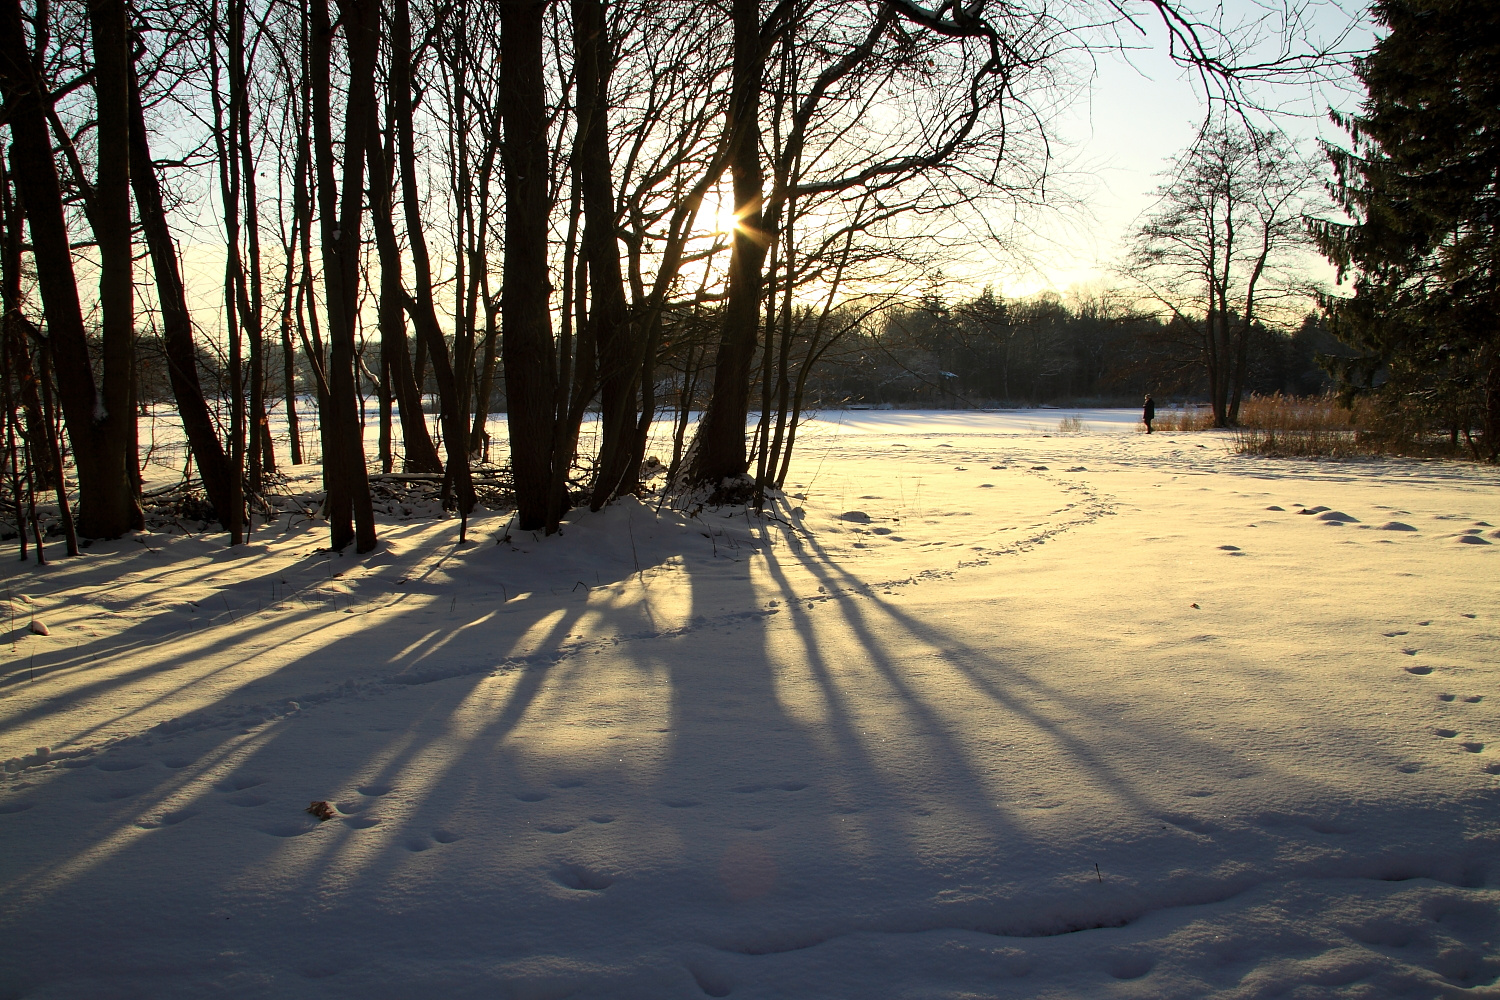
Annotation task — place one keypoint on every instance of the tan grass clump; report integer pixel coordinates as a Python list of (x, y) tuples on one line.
[(1071, 425), (1305, 427)]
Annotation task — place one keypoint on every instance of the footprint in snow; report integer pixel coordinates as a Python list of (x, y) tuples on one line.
[(1446, 734), (582, 879), (1472, 540), (293, 828), (109, 764), (167, 819), (373, 791), (1396, 526), (239, 782), (1392, 635), (532, 796), (1473, 747), (361, 822), (1420, 669), (248, 800)]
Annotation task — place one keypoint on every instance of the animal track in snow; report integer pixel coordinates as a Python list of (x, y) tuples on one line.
[(1446, 734), (361, 822), (1420, 669), (445, 836), (294, 828), (373, 791), (248, 800), (239, 782), (581, 878), (166, 819), (119, 765), (1473, 747)]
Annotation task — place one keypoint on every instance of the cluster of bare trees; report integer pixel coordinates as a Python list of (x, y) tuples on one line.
[(511, 195)]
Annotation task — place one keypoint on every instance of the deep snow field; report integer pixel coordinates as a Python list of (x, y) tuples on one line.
[(980, 709)]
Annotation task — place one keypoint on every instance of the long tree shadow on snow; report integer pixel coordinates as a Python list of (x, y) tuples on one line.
[(676, 775)]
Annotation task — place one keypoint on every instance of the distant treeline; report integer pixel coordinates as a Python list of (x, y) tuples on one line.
[(991, 351)]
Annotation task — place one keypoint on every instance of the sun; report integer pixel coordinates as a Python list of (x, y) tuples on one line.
[(719, 212)]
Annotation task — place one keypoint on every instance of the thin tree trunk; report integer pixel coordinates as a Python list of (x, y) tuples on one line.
[(176, 322), (618, 365), (452, 392)]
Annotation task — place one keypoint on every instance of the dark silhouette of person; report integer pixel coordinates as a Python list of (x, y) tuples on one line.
[(1148, 413)]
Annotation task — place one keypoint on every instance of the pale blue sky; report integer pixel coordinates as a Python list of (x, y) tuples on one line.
[(1140, 110)]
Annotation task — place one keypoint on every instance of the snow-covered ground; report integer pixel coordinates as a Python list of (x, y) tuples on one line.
[(982, 709)]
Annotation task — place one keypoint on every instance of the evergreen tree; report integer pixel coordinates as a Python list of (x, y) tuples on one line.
[(1421, 182)]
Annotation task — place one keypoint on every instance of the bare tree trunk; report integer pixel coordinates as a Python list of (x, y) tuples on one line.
[(351, 516), (720, 443), (451, 391), (107, 505), (618, 364), (176, 323), (421, 454), (526, 322)]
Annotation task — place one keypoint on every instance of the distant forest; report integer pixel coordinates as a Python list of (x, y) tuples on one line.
[(985, 351)]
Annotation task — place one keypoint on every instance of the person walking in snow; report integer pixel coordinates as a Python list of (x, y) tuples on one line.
[(1148, 413)]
